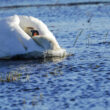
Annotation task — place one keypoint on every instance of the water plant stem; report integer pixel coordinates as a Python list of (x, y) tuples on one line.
[(105, 36), (77, 37), (88, 42)]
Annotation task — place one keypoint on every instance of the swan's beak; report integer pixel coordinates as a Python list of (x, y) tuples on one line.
[(31, 31), (34, 33)]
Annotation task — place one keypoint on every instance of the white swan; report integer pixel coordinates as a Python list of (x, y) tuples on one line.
[(17, 38)]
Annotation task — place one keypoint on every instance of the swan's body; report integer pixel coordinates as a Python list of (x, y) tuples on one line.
[(16, 38)]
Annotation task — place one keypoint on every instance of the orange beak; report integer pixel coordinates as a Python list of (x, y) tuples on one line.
[(35, 34)]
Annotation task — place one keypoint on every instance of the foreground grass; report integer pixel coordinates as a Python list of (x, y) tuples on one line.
[(12, 76)]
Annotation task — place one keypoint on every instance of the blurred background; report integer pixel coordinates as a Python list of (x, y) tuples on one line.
[(22, 2), (12, 4)]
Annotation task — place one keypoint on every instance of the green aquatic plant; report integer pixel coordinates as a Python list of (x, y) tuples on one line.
[(14, 76), (10, 77)]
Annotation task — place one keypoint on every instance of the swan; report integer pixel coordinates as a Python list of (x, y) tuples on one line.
[(27, 36)]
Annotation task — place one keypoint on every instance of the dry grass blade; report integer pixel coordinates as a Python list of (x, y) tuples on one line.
[(11, 77), (105, 36), (89, 20), (88, 42), (77, 37), (89, 16)]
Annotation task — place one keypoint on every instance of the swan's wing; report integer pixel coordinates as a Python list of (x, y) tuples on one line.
[(9, 44), (13, 40)]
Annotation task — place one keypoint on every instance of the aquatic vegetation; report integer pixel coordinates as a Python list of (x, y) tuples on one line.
[(77, 37), (80, 81), (12, 77), (105, 36), (88, 40)]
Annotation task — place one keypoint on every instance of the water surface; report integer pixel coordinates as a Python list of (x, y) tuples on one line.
[(78, 82)]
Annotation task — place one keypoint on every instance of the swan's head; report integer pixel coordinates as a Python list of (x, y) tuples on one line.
[(31, 31), (47, 42), (40, 33)]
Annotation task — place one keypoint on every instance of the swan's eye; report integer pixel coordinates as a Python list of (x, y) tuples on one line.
[(34, 32)]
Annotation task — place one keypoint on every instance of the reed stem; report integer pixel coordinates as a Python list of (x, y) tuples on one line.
[(77, 37)]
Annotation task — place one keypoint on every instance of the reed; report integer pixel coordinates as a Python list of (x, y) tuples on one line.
[(11, 77), (34, 101), (77, 37), (88, 41), (41, 96), (105, 36), (89, 20)]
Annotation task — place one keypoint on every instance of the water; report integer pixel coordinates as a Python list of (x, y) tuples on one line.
[(78, 82), (25, 2)]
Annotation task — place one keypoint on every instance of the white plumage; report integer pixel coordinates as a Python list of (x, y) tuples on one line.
[(16, 38)]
